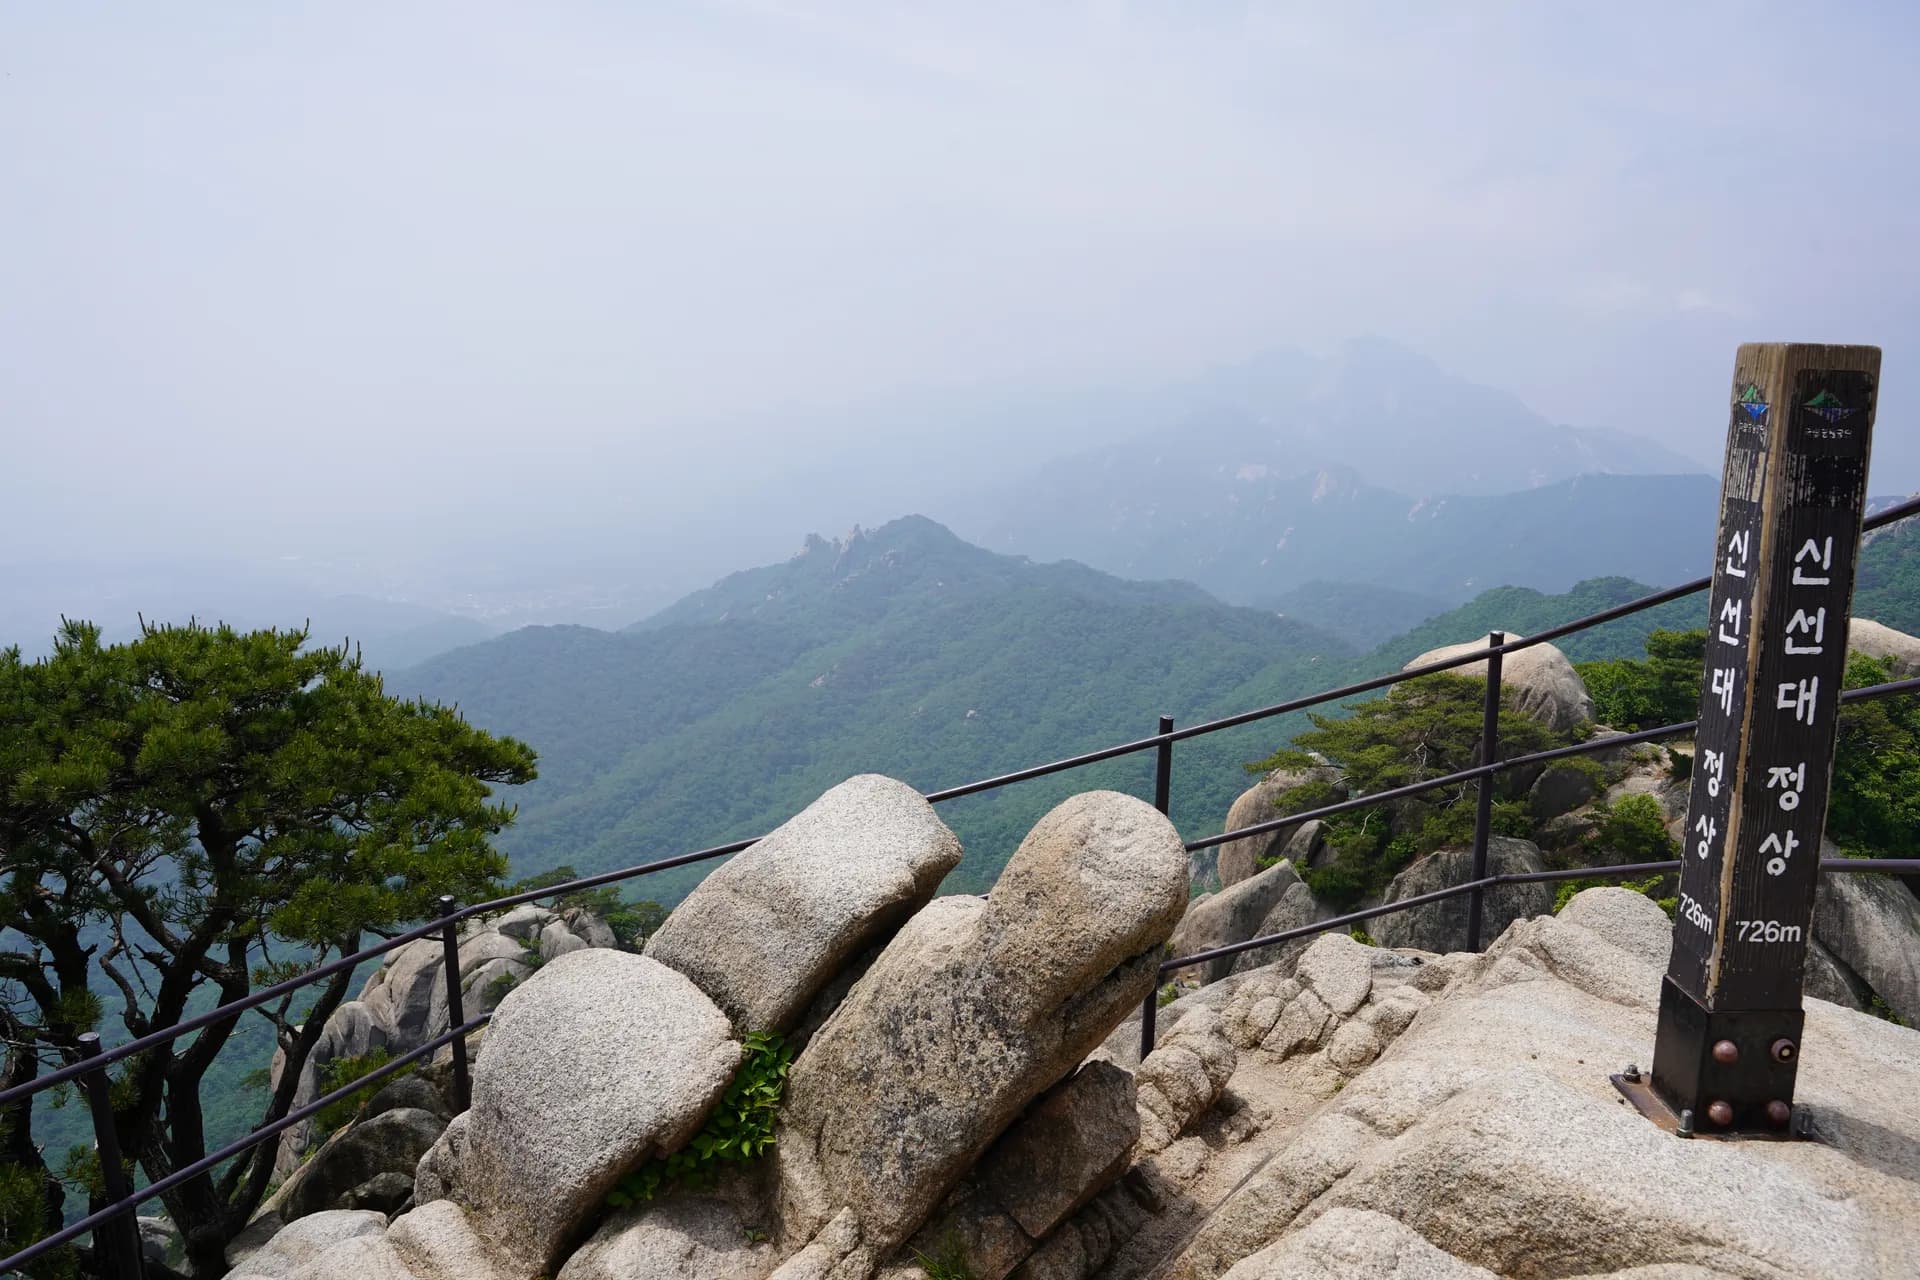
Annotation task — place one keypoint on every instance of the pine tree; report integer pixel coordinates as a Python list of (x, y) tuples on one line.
[(191, 813)]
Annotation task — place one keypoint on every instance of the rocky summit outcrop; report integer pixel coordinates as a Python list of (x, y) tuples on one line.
[(946, 1103), (1477, 1134), (368, 1165), (1296, 909), (1183, 1076), (710, 1234), (403, 1003), (1359, 1244), (1876, 640), (973, 1009), (1071, 1144), (1240, 859), (1870, 925), (291, 1249), (1442, 926), (1543, 681), (764, 933), (1229, 916), (598, 1062), (1354, 1111)]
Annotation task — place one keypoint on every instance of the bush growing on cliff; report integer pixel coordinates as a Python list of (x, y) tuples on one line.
[(1875, 804), (1644, 693), (1426, 729), (1634, 829), (739, 1129), (342, 1072)]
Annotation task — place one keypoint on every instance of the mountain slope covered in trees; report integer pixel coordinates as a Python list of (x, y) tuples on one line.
[(907, 651), (1887, 588), (901, 650), (1523, 611)]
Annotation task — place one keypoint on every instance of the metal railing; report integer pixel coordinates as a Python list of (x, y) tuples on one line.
[(119, 1243)]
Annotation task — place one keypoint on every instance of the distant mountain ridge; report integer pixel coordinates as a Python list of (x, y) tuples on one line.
[(901, 649), (1391, 414), (1372, 467), (1362, 614), (1522, 611), (908, 563), (1251, 537), (907, 651)]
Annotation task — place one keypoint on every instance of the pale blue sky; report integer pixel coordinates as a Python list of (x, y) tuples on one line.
[(272, 275)]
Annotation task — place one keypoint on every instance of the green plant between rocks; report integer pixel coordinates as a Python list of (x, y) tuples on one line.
[(948, 1262), (1634, 829), (1879, 1008), (739, 1129), (1650, 887), (342, 1072), (1427, 728)]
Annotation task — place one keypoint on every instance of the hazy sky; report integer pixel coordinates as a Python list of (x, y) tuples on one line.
[(279, 276)]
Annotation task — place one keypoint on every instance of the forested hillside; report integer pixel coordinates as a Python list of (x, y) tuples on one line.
[(1362, 614), (907, 651), (1523, 611), (901, 650), (1886, 590), (1888, 586)]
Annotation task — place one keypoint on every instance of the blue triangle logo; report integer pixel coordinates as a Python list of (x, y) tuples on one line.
[(1755, 412)]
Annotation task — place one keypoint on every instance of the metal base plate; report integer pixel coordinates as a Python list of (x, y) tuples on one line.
[(1640, 1093)]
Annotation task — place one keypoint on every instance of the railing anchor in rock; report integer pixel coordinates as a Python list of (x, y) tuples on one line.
[(1793, 494)]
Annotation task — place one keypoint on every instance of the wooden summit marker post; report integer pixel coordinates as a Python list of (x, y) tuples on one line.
[(1791, 500)]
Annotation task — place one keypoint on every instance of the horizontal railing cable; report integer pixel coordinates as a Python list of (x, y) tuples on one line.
[(266, 995), (221, 1013), (1620, 871), (1403, 904), (239, 1146), (1589, 747)]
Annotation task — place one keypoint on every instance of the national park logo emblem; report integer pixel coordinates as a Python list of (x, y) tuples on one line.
[(1828, 406)]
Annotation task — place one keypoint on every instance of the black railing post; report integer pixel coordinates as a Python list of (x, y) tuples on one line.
[(1162, 798), (116, 1242), (1163, 768), (1483, 812), (456, 1012)]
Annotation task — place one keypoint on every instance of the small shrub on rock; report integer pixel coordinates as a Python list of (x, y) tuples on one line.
[(739, 1129), (948, 1262), (1650, 887), (342, 1072), (1426, 729), (1635, 828)]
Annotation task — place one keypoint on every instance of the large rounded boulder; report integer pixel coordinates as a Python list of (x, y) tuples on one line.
[(1232, 915), (1877, 640), (1240, 859), (1442, 926), (1544, 683), (973, 1010), (598, 1062), (766, 932)]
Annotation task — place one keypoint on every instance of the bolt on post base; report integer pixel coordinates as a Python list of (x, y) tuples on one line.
[(1638, 1090), (1731, 1072)]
